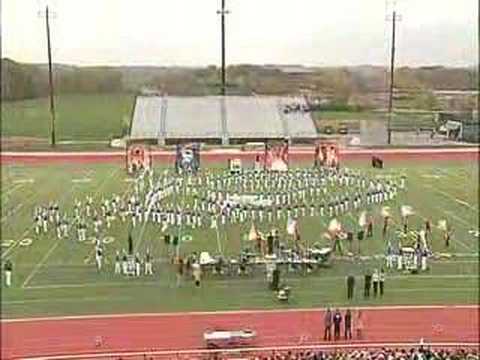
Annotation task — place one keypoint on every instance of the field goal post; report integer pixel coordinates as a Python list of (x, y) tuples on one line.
[(138, 157)]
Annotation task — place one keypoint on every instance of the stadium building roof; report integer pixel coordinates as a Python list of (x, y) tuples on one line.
[(224, 119)]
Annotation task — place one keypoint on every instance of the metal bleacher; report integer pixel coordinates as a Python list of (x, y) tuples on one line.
[(223, 119)]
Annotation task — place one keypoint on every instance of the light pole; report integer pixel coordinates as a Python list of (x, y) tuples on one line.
[(223, 12), (50, 77), (394, 19)]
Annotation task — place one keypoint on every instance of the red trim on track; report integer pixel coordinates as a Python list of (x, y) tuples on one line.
[(184, 331), (222, 155)]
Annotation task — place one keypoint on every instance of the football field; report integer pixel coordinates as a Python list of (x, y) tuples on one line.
[(58, 276)]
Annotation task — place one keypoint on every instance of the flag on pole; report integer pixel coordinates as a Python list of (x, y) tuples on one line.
[(334, 226), (291, 226), (213, 224), (406, 210), (442, 225), (385, 211), (362, 220), (253, 235)]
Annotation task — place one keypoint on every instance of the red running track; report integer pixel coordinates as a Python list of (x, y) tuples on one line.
[(126, 333), (222, 155)]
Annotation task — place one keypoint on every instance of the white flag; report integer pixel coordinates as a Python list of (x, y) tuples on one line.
[(253, 235), (385, 211), (214, 225), (334, 226), (406, 210), (291, 226), (442, 225), (164, 226), (362, 220)]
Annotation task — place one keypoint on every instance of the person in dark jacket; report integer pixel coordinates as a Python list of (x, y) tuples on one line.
[(337, 320), (350, 286), (327, 323), (348, 325), (368, 283)]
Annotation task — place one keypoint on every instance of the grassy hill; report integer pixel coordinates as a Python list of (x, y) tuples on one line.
[(79, 117)]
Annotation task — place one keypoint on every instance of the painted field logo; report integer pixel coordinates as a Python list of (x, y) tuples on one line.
[(186, 238), (7, 243), (26, 242)]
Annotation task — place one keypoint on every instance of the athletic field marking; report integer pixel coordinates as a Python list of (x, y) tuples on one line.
[(236, 312), (40, 264), (459, 219), (24, 181), (283, 348), (26, 232), (228, 282), (60, 300), (84, 180), (448, 195), (12, 189), (463, 202), (11, 212)]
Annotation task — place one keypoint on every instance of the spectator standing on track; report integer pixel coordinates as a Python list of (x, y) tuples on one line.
[(368, 281), (360, 325), (8, 267), (381, 279), (375, 279), (350, 286), (327, 323), (348, 325), (337, 321)]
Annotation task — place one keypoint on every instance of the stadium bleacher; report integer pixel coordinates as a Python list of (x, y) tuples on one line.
[(219, 118)]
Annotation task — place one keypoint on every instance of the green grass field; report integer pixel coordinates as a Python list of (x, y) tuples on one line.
[(100, 117), (52, 277), (79, 117)]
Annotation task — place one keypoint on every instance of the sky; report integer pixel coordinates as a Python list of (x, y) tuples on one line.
[(187, 32)]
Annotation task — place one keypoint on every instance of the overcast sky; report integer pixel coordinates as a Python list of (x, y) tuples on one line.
[(186, 32)]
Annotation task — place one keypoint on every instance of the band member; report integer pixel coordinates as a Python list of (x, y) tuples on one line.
[(148, 264), (381, 281), (370, 227), (368, 283), (350, 286), (99, 257), (375, 280), (8, 267), (385, 227), (118, 268)]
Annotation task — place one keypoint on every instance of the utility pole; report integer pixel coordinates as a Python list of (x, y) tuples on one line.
[(223, 12), (50, 76), (395, 17)]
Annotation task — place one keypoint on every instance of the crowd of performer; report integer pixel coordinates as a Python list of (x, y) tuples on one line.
[(215, 199)]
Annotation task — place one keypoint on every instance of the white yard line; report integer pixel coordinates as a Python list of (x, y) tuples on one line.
[(11, 190), (448, 195), (11, 213), (131, 282), (61, 300), (24, 181), (40, 264), (235, 312)]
